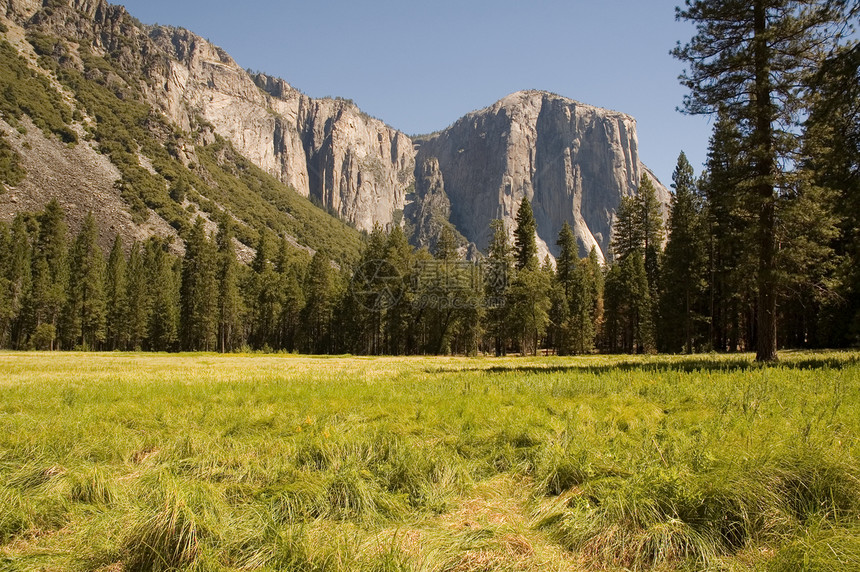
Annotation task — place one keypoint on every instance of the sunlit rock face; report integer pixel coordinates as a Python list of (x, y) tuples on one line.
[(573, 161)]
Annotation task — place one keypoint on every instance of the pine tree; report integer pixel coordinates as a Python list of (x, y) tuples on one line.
[(650, 222), (581, 303), (447, 287), (832, 158), (446, 245), (50, 273), (528, 303), (85, 308), (229, 297), (138, 299), (290, 270), (684, 265), (628, 306), (567, 258), (164, 270), (41, 333), (265, 296), (20, 278), (595, 281), (6, 314), (199, 291), (626, 230), (370, 289), (498, 273), (561, 330), (293, 302), (400, 327), (748, 61), (321, 300), (731, 240), (116, 295), (525, 243)]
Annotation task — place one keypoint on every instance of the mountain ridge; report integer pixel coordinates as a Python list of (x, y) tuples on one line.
[(343, 160)]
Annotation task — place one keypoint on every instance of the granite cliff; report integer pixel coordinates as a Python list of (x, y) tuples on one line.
[(574, 161), (326, 149)]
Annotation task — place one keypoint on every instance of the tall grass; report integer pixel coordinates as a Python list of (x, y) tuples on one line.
[(205, 462)]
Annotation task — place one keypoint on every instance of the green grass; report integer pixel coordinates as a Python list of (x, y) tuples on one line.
[(208, 462)]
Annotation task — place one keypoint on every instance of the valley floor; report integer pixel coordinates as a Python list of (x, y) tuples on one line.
[(116, 461)]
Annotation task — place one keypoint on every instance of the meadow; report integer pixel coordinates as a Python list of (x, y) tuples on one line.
[(137, 462)]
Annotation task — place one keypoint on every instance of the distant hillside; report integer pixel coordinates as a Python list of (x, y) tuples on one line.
[(79, 124)]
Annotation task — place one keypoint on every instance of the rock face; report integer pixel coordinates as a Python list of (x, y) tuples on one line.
[(326, 149), (573, 161)]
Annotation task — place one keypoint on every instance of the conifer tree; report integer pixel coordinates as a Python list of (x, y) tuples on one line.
[(525, 243), (400, 326), (229, 297), (370, 284), (116, 296), (561, 330), (528, 297), (832, 160), (581, 306), (748, 61), (292, 304), (499, 269), (265, 302), (290, 270), (567, 258), (595, 281), (164, 270), (650, 222), (6, 314), (446, 245), (199, 291), (447, 287), (50, 272), (40, 332), (628, 306), (684, 276), (731, 240), (85, 308), (321, 300), (138, 299), (626, 230), (528, 303)]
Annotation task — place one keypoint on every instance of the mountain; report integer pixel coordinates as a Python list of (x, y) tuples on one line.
[(91, 117), (573, 161), (157, 125)]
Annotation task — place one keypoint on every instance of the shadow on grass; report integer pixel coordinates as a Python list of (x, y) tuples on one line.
[(721, 363)]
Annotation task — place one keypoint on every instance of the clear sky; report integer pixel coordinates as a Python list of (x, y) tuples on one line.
[(420, 66)]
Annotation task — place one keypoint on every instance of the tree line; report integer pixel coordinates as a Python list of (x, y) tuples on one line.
[(760, 251), (676, 286)]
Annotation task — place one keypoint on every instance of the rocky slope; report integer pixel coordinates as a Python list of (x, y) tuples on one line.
[(572, 160)]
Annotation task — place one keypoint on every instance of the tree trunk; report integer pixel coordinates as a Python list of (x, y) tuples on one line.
[(764, 163)]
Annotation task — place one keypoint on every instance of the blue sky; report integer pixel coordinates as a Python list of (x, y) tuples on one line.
[(420, 66)]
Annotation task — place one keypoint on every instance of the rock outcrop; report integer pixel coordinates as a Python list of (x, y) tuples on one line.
[(327, 149), (573, 161)]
